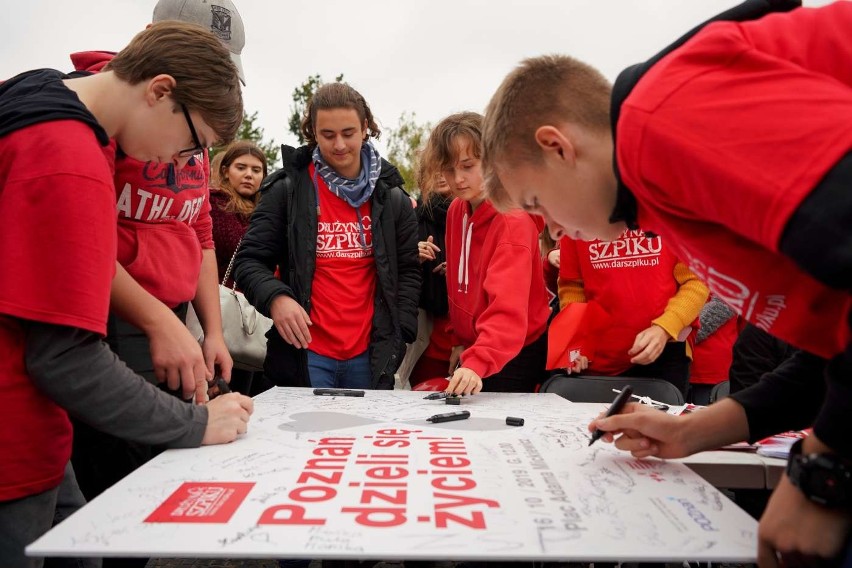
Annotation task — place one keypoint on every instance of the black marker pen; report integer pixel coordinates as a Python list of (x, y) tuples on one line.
[(338, 392), (614, 408), (449, 416), (436, 396)]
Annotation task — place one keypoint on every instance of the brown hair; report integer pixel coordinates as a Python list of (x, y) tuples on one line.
[(440, 151), (206, 80), (236, 203), (551, 89), (215, 165), (337, 95)]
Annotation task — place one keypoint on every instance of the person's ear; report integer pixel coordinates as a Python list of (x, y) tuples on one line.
[(159, 88), (554, 142)]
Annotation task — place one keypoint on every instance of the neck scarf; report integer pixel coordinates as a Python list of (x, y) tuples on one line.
[(356, 191)]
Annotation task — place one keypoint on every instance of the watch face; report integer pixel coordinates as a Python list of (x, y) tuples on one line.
[(825, 481), (823, 484)]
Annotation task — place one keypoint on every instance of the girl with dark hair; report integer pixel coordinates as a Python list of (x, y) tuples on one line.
[(338, 225), (235, 178)]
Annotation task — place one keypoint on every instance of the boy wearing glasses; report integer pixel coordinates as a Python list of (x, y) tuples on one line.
[(165, 260), (58, 248)]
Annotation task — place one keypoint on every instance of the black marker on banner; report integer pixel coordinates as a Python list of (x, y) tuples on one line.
[(449, 416), (614, 408), (338, 392)]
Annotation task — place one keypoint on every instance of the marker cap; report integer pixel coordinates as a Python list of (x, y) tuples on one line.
[(514, 421)]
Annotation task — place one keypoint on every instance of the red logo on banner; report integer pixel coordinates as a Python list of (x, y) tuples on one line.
[(209, 502)]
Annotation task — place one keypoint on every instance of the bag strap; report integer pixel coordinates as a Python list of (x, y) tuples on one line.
[(231, 265)]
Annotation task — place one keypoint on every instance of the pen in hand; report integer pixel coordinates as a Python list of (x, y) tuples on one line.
[(216, 387), (616, 407)]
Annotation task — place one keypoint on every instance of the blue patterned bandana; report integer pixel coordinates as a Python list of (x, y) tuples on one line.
[(357, 191)]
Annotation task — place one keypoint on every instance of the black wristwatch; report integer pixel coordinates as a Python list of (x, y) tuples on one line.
[(823, 478)]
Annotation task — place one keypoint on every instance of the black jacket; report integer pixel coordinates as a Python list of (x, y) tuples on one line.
[(283, 233), (432, 221)]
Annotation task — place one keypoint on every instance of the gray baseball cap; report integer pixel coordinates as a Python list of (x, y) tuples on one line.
[(220, 16)]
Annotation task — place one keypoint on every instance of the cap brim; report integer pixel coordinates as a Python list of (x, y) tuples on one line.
[(239, 63)]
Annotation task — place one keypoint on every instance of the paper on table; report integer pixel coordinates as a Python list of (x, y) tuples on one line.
[(740, 446), (676, 409), (778, 446)]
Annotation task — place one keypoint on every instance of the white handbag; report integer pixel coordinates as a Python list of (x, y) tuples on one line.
[(243, 326)]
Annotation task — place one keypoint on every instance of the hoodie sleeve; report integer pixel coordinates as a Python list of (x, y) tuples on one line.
[(77, 370), (683, 308), (263, 245), (501, 329), (408, 268)]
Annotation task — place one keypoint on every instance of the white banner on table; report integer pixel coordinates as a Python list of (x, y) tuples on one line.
[(344, 477)]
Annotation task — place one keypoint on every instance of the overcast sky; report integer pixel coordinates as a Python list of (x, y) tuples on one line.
[(431, 57)]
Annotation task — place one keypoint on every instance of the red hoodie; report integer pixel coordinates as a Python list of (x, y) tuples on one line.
[(495, 284), (163, 216), (719, 164)]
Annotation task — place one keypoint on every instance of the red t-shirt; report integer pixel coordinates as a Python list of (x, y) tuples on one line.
[(57, 253), (631, 279), (711, 359), (163, 225), (344, 285), (722, 140)]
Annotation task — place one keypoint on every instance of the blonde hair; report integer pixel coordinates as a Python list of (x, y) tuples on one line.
[(206, 80), (551, 89), (441, 147), (237, 203)]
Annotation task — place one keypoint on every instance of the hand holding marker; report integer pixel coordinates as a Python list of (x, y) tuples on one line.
[(616, 407)]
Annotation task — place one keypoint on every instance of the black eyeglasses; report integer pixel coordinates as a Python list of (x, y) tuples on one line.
[(198, 148)]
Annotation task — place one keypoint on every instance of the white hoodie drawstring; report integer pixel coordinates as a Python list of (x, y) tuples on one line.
[(467, 256), (464, 256), (461, 253)]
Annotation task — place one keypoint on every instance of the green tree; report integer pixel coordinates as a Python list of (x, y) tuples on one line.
[(301, 95), (249, 130), (404, 144)]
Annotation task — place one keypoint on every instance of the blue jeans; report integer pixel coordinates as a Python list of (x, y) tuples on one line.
[(326, 372)]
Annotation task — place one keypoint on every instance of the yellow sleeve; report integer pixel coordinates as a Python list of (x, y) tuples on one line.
[(570, 291), (685, 305)]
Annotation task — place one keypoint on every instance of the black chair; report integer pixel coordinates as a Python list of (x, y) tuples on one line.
[(720, 390), (580, 388)]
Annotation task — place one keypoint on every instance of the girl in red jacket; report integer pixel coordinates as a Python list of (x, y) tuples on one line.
[(497, 298)]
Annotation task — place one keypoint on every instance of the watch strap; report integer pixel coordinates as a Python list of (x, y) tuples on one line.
[(823, 478)]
